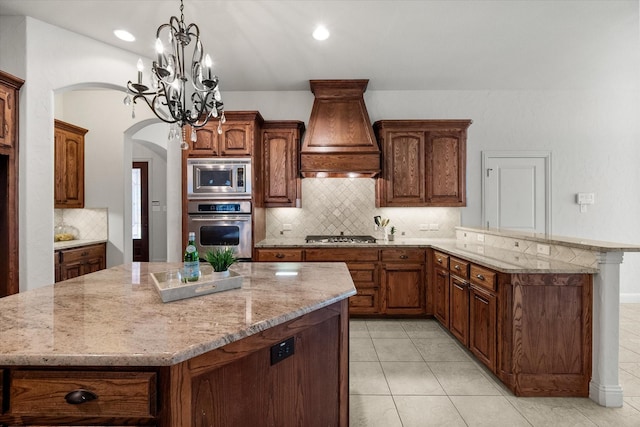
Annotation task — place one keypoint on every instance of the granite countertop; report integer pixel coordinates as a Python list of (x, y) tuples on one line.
[(115, 317), (68, 244), (498, 259)]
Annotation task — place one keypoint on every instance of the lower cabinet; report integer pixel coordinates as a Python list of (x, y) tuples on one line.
[(441, 296), (403, 272), (483, 326), (75, 262), (459, 309), (388, 281)]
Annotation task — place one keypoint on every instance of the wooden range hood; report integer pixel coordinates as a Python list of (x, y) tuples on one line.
[(339, 142)]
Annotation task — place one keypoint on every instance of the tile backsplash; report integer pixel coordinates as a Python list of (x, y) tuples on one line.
[(335, 205), (91, 223)]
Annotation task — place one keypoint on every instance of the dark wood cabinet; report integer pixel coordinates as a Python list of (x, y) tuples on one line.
[(69, 165), (280, 165), (80, 261), (424, 162), (440, 279), (483, 326), (403, 281), (236, 137), (459, 299), (278, 255), (9, 119)]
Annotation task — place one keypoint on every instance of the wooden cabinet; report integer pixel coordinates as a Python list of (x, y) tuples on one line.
[(424, 162), (279, 255), (364, 268), (440, 279), (69, 165), (403, 281), (80, 261), (459, 299), (532, 330), (9, 109), (234, 138), (280, 154), (9, 90)]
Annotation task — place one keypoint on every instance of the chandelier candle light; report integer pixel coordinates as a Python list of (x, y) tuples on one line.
[(170, 92)]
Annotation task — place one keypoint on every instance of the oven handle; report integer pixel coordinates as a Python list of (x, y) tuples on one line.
[(220, 218)]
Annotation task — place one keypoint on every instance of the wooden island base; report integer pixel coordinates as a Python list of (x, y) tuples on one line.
[(235, 385)]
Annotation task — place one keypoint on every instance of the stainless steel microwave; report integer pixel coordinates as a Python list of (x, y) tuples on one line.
[(224, 178)]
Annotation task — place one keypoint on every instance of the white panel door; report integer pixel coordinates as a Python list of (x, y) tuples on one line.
[(516, 191)]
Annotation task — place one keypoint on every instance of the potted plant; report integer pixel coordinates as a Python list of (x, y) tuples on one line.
[(221, 260), (392, 232)]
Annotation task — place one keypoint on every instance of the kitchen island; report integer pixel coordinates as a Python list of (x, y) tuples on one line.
[(104, 349)]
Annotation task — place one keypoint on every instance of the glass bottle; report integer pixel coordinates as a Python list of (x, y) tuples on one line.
[(191, 270)]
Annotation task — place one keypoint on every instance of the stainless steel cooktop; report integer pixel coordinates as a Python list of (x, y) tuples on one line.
[(340, 239)]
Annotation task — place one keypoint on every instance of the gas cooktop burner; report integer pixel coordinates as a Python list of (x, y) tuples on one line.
[(340, 239)]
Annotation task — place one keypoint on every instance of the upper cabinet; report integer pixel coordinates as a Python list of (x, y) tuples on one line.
[(424, 162), (280, 153), (69, 165), (234, 138), (9, 87)]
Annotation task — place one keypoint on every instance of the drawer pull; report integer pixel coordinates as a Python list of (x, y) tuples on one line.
[(480, 276), (457, 267), (403, 257), (79, 396), (85, 253), (439, 259), (279, 255)]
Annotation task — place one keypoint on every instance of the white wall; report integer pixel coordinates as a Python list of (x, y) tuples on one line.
[(593, 137)]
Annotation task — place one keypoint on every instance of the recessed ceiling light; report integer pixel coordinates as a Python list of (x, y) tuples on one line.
[(124, 35), (321, 33)]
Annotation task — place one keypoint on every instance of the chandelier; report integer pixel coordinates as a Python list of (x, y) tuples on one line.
[(177, 95)]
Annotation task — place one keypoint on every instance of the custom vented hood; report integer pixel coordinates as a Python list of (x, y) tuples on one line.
[(339, 141)]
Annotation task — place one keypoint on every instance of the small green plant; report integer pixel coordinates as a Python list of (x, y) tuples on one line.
[(221, 259), (393, 230)]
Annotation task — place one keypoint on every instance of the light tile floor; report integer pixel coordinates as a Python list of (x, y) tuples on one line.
[(412, 373)]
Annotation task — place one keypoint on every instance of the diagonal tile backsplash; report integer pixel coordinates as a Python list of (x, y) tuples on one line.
[(334, 205)]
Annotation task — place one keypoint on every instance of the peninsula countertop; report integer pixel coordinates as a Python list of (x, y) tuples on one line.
[(116, 317), (499, 259)]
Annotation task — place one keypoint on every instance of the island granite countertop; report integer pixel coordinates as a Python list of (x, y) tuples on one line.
[(116, 317)]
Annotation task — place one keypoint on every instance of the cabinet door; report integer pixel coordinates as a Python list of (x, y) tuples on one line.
[(403, 285), (280, 163), (236, 139), (7, 116), (446, 154), (69, 166), (441, 296), (482, 326), (206, 143), (71, 270), (459, 309), (404, 169)]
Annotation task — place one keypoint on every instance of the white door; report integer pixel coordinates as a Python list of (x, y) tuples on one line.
[(516, 191)]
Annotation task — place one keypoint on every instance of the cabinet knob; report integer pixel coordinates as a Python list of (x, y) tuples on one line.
[(403, 257), (440, 260), (79, 396), (480, 276), (457, 267), (280, 256)]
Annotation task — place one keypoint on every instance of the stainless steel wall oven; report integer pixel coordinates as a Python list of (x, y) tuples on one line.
[(220, 224)]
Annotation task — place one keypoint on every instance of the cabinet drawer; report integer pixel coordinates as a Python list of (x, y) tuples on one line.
[(366, 301), (412, 255), (364, 274), (82, 253), (459, 267), (440, 259), (289, 255), (341, 255), (119, 394), (483, 277)]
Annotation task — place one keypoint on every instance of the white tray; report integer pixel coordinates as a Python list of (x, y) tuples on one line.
[(205, 285)]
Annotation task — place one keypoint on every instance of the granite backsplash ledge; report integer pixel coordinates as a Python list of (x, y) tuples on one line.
[(347, 205)]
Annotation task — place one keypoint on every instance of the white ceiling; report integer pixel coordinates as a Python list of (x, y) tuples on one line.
[(398, 45)]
